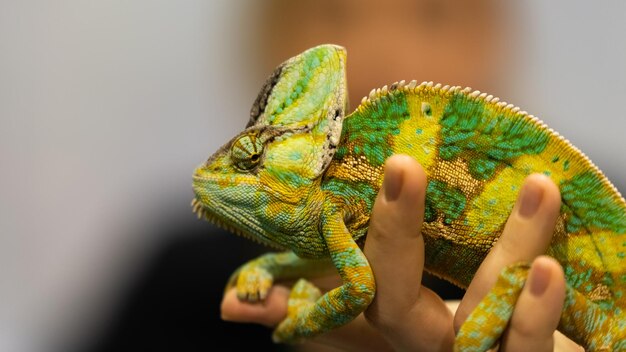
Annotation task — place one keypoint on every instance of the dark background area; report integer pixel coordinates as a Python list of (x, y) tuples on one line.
[(174, 303)]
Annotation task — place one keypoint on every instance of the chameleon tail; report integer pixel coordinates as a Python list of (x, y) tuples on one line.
[(582, 320), (482, 329), (589, 325)]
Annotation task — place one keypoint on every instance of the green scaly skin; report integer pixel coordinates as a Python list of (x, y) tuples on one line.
[(303, 177)]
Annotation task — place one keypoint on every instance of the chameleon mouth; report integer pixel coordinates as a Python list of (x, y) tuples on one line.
[(202, 213)]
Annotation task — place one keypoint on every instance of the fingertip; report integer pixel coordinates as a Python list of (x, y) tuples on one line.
[(551, 196), (400, 203), (530, 227), (545, 288), (407, 165), (547, 274), (404, 181), (539, 277), (393, 179)]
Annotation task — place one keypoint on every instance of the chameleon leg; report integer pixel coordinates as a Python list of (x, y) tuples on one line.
[(340, 305), (254, 279), (482, 329), (586, 323)]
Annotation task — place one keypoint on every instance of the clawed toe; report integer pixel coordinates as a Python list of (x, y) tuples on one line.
[(253, 284)]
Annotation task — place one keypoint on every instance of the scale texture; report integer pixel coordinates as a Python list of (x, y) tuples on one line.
[(303, 176)]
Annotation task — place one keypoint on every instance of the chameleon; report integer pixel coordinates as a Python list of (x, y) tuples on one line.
[(303, 175)]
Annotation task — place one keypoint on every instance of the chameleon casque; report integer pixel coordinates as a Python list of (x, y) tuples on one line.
[(303, 177)]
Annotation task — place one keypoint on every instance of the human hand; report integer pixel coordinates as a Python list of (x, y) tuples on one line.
[(408, 316)]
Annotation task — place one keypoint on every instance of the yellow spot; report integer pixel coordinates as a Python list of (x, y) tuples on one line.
[(499, 187), (582, 246), (422, 146)]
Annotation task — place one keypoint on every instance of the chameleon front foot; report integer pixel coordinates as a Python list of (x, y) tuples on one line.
[(301, 301), (252, 282)]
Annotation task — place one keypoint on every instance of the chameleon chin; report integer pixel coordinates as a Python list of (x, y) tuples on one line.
[(303, 177)]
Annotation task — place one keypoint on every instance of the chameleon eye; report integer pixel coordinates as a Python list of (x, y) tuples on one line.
[(246, 152)]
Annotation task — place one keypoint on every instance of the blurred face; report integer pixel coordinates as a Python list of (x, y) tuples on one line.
[(445, 41)]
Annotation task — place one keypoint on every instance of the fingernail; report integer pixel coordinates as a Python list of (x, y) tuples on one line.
[(392, 183), (539, 278), (530, 199)]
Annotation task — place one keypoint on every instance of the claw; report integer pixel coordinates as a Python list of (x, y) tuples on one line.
[(253, 284)]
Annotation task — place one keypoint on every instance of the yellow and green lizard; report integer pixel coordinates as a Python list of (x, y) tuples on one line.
[(303, 177)]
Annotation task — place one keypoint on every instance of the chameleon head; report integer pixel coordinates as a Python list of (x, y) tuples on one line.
[(261, 182)]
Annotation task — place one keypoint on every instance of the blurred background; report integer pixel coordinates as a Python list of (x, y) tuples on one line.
[(106, 107)]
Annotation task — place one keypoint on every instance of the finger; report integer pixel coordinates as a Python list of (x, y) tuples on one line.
[(408, 316), (269, 313), (526, 235), (394, 245), (538, 309)]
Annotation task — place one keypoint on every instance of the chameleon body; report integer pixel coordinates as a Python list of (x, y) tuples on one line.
[(303, 177)]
